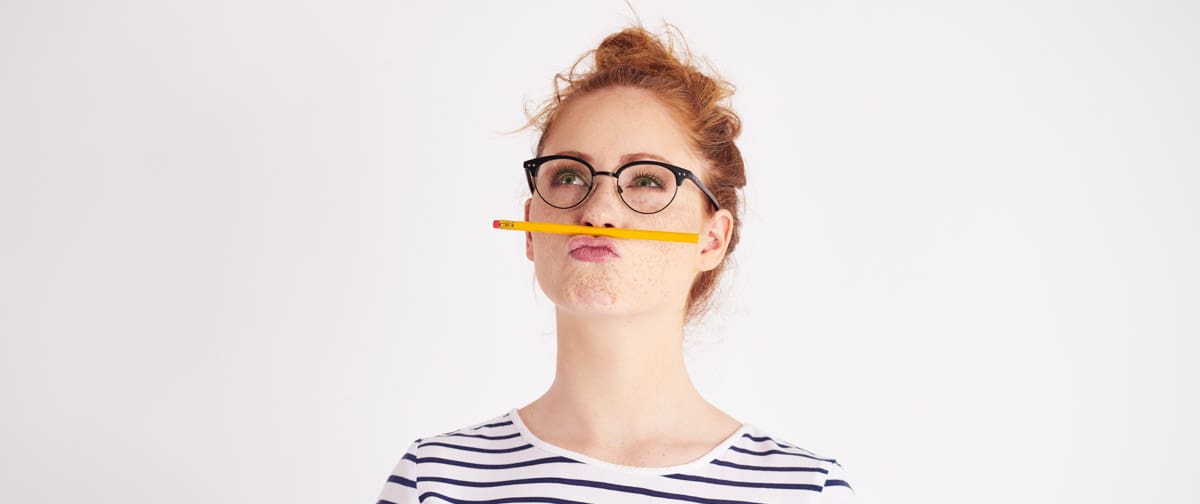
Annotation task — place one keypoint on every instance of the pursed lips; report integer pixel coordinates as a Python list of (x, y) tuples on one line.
[(600, 242)]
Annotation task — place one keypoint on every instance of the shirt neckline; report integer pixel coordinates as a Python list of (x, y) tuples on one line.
[(699, 462)]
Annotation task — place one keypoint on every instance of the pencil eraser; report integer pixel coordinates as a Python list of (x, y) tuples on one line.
[(496, 223)]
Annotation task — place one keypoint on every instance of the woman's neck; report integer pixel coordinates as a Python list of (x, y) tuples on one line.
[(621, 377)]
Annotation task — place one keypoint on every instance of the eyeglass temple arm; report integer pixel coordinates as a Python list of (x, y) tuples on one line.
[(696, 180)]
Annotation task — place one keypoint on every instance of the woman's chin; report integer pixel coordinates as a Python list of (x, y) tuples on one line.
[(590, 298), (589, 293)]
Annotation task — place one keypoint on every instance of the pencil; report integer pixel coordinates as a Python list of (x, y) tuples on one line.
[(636, 234)]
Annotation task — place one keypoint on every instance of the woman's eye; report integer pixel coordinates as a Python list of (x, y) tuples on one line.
[(569, 178), (646, 181)]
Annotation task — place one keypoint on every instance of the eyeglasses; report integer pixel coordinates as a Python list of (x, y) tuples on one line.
[(645, 186)]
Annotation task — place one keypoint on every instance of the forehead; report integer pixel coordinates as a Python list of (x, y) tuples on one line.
[(611, 123)]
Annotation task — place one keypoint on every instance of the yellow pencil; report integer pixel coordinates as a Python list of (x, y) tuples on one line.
[(636, 234)]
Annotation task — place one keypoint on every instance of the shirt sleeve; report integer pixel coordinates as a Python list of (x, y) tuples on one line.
[(401, 485), (837, 487)]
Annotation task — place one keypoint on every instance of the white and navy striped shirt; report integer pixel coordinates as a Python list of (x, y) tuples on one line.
[(501, 461)]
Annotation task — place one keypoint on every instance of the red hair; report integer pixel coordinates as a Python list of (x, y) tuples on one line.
[(636, 58)]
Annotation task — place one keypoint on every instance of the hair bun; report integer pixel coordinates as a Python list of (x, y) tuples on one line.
[(635, 50)]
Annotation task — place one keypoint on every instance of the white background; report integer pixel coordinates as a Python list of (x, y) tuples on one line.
[(247, 253)]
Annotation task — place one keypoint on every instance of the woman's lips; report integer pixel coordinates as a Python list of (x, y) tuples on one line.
[(593, 254), (592, 248)]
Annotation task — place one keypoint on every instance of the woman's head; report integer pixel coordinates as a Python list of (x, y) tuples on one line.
[(640, 101)]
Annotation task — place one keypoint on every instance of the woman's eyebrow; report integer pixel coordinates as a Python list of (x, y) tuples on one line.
[(624, 159)]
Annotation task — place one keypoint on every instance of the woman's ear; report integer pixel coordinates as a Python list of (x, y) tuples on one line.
[(714, 240), (528, 235)]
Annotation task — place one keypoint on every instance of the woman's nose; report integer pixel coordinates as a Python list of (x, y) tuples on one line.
[(603, 207)]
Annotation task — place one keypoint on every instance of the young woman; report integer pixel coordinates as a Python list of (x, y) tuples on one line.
[(642, 140)]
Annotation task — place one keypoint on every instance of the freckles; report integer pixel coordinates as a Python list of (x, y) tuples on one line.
[(651, 267), (593, 289), (661, 257)]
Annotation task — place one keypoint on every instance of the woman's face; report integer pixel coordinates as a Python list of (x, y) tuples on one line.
[(645, 276)]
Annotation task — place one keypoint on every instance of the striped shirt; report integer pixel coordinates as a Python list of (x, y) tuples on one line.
[(501, 461)]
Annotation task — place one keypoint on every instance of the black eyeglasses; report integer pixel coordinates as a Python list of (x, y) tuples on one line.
[(645, 186)]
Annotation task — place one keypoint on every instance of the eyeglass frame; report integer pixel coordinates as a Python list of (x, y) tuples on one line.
[(681, 174)]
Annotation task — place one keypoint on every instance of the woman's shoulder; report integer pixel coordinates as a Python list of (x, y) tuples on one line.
[(489, 436), (495, 428), (768, 442), (401, 484), (768, 451)]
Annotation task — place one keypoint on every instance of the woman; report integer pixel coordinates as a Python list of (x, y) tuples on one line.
[(640, 141)]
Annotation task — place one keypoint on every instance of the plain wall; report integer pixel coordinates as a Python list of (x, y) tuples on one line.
[(247, 256)]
